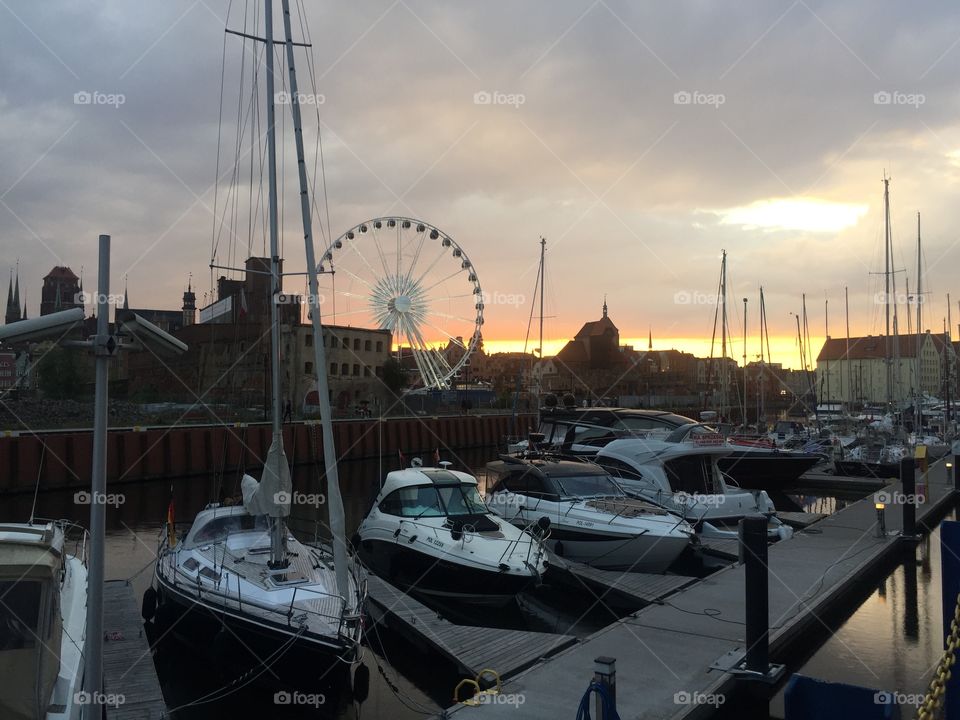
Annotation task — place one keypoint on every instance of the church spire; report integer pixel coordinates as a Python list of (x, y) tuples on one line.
[(126, 299), (650, 340), (604, 305)]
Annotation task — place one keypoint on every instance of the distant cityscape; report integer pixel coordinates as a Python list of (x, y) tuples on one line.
[(228, 363)]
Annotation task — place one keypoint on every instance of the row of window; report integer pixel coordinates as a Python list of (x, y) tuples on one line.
[(345, 343), (345, 369)]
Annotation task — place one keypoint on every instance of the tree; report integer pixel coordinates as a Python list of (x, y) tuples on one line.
[(61, 375), (394, 377)]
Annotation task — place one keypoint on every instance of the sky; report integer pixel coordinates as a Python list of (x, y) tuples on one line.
[(639, 139)]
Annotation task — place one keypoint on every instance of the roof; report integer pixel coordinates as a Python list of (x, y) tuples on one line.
[(597, 327), (873, 347), (410, 477), (548, 466), (573, 352), (61, 272)]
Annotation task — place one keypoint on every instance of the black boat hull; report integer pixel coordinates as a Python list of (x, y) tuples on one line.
[(430, 577), (859, 468), (751, 469)]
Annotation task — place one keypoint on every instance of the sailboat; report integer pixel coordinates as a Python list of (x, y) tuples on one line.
[(879, 452), (238, 578)]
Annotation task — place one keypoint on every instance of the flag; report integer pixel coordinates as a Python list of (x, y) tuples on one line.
[(436, 457), (243, 303), (403, 460), (171, 530)]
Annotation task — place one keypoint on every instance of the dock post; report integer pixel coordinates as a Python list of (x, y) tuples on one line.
[(952, 470), (605, 674), (950, 581), (753, 545), (908, 480)]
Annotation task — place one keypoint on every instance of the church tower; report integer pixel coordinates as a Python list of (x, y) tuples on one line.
[(13, 300), (189, 305)]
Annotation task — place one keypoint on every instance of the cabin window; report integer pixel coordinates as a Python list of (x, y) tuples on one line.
[(19, 613), (218, 529), (462, 500), (529, 484), (619, 469), (693, 475), (420, 501), (587, 485)]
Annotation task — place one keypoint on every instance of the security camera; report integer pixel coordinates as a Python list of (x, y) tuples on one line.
[(148, 336), (54, 325)]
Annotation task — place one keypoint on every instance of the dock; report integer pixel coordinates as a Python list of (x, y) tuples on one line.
[(128, 668), (635, 588), (842, 483), (800, 520), (470, 648), (685, 646)]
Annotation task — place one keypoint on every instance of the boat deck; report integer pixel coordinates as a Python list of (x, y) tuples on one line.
[(667, 651), (470, 648), (128, 668)]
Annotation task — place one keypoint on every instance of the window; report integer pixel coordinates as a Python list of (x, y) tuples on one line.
[(356, 343), (379, 346), (462, 500), (346, 343), (308, 340), (20, 613), (419, 501), (367, 345), (587, 486), (308, 368), (356, 369), (619, 469), (366, 371), (219, 528), (344, 369), (378, 371), (333, 368)]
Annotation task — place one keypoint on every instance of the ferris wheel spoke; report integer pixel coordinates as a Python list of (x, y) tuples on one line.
[(440, 282), (446, 316), (383, 259), (416, 257), (357, 278), (452, 338), (439, 257)]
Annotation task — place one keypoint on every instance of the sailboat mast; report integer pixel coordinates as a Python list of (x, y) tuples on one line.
[(948, 352), (334, 500), (826, 332), (543, 256), (846, 302), (886, 277), (917, 375), (277, 554), (724, 379), (763, 322)]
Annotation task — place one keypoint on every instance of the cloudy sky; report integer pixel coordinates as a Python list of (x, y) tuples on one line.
[(639, 138)]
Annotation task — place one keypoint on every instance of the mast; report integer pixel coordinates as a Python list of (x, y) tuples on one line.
[(543, 256), (724, 378), (886, 278), (826, 332), (277, 553), (760, 408), (916, 402), (846, 300), (743, 420), (949, 353), (334, 500)]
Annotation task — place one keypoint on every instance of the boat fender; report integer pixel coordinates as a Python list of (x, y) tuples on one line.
[(456, 532), (543, 526), (785, 532), (361, 683), (412, 538), (558, 549), (148, 608)]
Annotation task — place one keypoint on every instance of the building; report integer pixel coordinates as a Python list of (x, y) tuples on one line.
[(62, 290), (14, 313), (8, 370), (861, 377)]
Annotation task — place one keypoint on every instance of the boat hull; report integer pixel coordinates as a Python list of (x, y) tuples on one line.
[(639, 553), (751, 469), (237, 642), (428, 576)]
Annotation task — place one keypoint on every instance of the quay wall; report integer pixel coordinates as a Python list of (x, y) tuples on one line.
[(63, 458)]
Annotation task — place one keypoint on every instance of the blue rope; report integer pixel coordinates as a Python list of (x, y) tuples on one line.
[(609, 708)]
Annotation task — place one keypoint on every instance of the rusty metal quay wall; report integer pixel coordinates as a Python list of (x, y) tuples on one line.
[(62, 459)]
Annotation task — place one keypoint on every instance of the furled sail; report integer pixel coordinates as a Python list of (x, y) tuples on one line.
[(271, 496)]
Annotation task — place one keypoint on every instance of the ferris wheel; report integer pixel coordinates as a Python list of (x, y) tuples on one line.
[(409, 277)]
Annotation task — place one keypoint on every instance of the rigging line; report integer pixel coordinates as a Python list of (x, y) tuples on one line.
[(214, 240)]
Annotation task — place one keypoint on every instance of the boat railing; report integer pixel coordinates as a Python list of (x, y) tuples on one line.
[(73, 533)]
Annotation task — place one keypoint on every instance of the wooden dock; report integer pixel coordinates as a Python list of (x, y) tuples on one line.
[(470, 648), (841, 483), (684, 646), (635, 588), (128, 668), (800, 520)]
